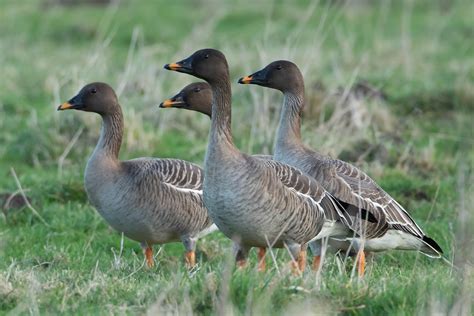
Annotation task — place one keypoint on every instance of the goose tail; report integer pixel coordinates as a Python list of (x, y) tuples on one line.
[(431, 248)]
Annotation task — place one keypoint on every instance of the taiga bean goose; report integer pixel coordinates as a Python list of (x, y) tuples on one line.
[(197, 97), (395, 229), (152, 201), (255, 202)]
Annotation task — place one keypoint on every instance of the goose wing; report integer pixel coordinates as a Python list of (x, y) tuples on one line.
[(294, 179), (358, 189), (177, 173)]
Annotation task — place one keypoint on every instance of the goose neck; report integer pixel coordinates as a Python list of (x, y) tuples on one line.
[(221, 113), (111, 134), (289, 129)]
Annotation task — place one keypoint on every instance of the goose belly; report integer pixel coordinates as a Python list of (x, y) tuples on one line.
[(247, 232), (240, 219), (135, 219), (259, 218), (135, 226)]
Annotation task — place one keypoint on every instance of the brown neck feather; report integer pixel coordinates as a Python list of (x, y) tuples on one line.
[(220, 143), (111, 134), (289, 129), (221, 114)]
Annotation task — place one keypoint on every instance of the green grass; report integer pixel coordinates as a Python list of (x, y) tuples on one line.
[(418, 145)]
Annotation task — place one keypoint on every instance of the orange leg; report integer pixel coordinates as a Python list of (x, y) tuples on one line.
[(298, 265), (302, 261), (361, 264), (261, 259), (149, 257), (190, 259), (316, 263)]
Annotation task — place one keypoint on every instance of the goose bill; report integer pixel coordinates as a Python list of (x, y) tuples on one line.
[(172, 104), (180, 66), (245, 80), (65, 106)]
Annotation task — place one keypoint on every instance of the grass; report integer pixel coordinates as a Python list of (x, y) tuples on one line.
[(416, 142)]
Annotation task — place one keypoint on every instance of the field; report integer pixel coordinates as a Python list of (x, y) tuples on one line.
[(390, 88)]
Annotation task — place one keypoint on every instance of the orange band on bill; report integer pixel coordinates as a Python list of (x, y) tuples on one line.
[(174, 66), (65, 106), (246, 80), (167, 103)]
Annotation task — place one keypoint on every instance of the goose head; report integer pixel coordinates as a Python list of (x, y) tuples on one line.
[(207, 64), (195, 96), (95, 97), (281, 75)]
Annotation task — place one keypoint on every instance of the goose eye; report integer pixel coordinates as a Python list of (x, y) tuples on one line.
[(278, 67), (197, 89), (206, 56), (93, 90)]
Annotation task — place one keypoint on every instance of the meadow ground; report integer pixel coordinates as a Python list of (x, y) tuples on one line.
[(390, 87)]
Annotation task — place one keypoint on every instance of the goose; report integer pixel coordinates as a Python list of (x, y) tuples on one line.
[(149, 200), (347, 183), (256, 202), (197, 96)]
